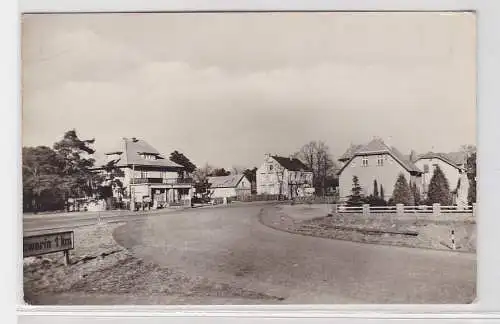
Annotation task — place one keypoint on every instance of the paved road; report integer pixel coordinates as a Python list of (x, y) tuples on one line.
[(49, 222), (231, 245)]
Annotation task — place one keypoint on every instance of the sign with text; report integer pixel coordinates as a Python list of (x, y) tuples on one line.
[(48, 243)]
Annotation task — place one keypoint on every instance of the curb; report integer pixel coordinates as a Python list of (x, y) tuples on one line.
[(260, 216)]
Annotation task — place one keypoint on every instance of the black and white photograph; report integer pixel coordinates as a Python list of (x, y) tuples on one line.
[(249, 158)]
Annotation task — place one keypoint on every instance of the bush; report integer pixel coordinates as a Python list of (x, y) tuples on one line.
[(375, 201)]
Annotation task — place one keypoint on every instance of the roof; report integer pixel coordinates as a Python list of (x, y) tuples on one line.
[(350, 152), (291, 164), (455, 159), (229, 181), (129, 153), (377, 146)]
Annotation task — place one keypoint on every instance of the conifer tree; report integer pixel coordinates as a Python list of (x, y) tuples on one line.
[(439, 188), (402, 192), (375, 189), (356, 198)]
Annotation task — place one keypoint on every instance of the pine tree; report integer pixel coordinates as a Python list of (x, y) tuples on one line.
[(439, 189), (375, 189), (77, 177), (401, 193), (382, 194), (356, 198), (471, 175), (181, 159)]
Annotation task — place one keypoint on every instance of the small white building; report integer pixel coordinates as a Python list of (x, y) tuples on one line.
[(453, 167), (229, 186)]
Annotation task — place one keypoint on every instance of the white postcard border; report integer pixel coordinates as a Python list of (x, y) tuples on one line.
[(488, 305)]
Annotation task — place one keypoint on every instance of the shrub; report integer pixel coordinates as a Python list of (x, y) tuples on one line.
[(402, 193)]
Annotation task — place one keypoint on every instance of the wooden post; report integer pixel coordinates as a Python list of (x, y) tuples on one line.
[(453, 246), (66, 257), (436, 210), (366, 210), (400, 210)]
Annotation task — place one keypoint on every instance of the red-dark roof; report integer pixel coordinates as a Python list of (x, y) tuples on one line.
[(291, 164)]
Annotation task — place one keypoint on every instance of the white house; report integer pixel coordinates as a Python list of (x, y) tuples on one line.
[(284, 176), (453, 167), (375, 161), (146, 175), (229, 186)]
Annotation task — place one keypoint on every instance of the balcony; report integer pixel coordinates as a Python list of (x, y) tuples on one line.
[(173, 181)]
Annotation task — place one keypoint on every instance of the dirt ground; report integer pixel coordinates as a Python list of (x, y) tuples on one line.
[(377, 229), (103, 272)]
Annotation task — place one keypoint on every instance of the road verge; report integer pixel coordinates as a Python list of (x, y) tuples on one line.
[(426, 234)]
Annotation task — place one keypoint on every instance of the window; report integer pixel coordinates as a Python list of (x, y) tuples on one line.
[(144, 174), (270, 167), (365, 161), (380, 160)]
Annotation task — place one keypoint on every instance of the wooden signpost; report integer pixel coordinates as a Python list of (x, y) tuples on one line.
[(49, 243)]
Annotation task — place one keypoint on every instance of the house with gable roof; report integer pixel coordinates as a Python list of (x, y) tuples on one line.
[(375, 161), (147, 175), (286, 176), (453, 166), (236, 185)]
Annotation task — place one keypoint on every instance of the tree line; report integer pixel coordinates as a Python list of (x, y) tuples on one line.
[(52, 176)]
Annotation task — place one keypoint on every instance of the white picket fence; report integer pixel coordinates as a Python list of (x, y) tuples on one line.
[(400, 209)]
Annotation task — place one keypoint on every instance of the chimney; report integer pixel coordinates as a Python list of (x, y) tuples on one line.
[(134, 139)]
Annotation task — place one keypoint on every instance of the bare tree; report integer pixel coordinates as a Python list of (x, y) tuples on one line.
[(202, 173), (280, 176), (468, 149), (237, 169), (317, 158)]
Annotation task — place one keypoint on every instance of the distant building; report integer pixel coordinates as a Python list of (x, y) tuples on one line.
[(147, 175), (229, 186), (453, 166), (284, 176), (375, 161)]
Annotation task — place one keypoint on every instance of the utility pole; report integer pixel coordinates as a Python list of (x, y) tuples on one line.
[(132, 195)]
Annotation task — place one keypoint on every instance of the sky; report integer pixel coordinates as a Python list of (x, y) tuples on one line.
[(226, 88)]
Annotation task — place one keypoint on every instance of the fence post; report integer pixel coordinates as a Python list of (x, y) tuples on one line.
[(400, 210), (366, 210), (436, 210), (473, 209)]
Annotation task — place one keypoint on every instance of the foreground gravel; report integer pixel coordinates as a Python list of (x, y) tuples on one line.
[(102, 272)]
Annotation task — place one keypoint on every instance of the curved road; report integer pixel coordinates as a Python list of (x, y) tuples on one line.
[(230, 245)]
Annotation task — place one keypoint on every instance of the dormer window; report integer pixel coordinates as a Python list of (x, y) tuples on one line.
[(147, 156)]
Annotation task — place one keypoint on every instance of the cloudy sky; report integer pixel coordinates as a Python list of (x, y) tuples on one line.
[(227, 88)]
